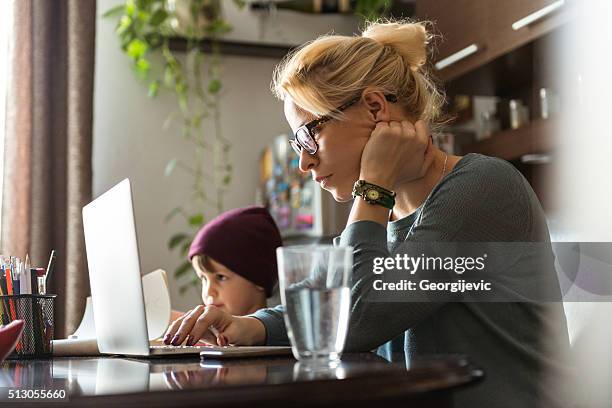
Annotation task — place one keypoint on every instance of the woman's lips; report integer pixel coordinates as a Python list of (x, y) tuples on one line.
[(323, 180)]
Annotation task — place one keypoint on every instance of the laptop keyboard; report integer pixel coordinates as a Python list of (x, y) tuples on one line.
[(168, 347)]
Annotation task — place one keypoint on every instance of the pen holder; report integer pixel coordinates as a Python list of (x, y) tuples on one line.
[(37, 313)]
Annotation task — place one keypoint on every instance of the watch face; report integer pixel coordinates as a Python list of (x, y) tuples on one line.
[(372, 194)]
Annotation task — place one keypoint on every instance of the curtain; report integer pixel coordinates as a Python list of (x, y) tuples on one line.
[(48, 144)]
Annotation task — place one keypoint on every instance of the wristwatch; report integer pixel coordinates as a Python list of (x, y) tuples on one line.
[(374, 194)]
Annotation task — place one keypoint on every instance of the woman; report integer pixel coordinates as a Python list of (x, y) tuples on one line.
[(361, 108)]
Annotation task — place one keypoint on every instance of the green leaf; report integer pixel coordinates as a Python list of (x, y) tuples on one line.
[(170, 167), (176, 239), (182, 270), (197, 121), (168, 76), (173, 212), (130, 7), (125, 22), (155, 40), (136, 49), (143, 4), (180, 87), (214, 86), (227, 179), (196, 220), (153, 88), (185, 248), (240, 3), (218, 27), (125, 38), (142, 67), (182, 100), (158, 17), (115, 11)]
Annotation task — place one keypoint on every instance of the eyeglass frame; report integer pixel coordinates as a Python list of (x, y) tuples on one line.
[(297, 146)]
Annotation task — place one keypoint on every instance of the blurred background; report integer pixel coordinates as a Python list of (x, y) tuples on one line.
[(174, 94)]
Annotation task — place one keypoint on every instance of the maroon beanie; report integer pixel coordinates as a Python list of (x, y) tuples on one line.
[(243, 240)]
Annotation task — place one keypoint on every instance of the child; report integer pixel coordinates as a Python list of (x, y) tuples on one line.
[(235, 257)]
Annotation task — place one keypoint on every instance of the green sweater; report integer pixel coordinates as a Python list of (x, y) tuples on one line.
[(520, 346)]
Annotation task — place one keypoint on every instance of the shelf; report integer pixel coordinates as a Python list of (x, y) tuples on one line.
[(244, 49), (534, 137)]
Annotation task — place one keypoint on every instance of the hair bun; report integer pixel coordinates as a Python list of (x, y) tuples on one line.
[(408, 39)]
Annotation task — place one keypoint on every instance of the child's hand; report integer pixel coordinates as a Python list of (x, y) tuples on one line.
[(395, 150), (214, 326)]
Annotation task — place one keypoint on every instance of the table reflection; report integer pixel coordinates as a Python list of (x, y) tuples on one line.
[(114, 375)]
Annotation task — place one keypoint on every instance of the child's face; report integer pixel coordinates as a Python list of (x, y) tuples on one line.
[(229, 291)]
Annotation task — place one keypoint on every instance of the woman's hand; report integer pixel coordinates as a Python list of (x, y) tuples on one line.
[(216, 327), (395, 150)]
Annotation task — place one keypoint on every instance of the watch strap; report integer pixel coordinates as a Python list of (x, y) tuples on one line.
[(374, 194)]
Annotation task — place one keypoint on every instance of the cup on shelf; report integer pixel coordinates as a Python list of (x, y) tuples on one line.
[(549, 103), (519, 113)]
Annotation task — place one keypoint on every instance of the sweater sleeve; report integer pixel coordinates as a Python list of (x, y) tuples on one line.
[(374, 323), (483, 201), (486, 200), (273, 321)]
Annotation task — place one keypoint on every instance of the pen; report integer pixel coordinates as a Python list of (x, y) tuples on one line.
[(24, 278), (9, 291), (2, 308), (16, 275), (33, 282), (9, 280), (3, 281), (50, 266), (42, 281)]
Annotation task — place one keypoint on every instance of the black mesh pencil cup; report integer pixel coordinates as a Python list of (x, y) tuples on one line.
[(37, 313)]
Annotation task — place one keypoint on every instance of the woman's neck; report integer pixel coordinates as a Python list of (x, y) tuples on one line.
[(411, 194)]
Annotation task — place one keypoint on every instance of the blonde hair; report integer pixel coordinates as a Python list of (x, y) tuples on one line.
[(389, 56)]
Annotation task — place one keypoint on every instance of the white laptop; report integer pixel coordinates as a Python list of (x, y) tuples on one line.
[(116, 285)]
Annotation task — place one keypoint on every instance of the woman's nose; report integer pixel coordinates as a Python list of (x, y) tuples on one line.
[(307, 161)]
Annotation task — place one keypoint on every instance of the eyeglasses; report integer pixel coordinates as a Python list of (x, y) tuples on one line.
[(304, 139)]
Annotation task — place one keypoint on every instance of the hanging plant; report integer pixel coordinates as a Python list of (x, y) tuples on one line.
[(371, 10), (145, 29)]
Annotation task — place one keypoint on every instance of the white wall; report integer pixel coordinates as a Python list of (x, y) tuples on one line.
[(129, 140)]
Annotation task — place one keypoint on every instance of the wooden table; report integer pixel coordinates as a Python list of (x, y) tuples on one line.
[(360, 380)]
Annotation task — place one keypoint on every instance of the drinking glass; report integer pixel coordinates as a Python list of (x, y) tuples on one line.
[(314, 285)]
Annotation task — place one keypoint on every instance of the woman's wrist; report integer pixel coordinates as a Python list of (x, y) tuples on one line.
[(380, 180), (254, 331), (363, 211)]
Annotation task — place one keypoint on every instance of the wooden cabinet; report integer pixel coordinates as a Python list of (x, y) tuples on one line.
[(516, 22), (461, 28), (516, 41), (492, 28)]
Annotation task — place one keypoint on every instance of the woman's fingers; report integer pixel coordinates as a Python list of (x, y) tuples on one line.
[(206, 326), (186, 325), (173, 328), (422, 131)]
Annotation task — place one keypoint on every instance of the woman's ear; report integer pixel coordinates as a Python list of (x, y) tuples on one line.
[(377, 105)]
